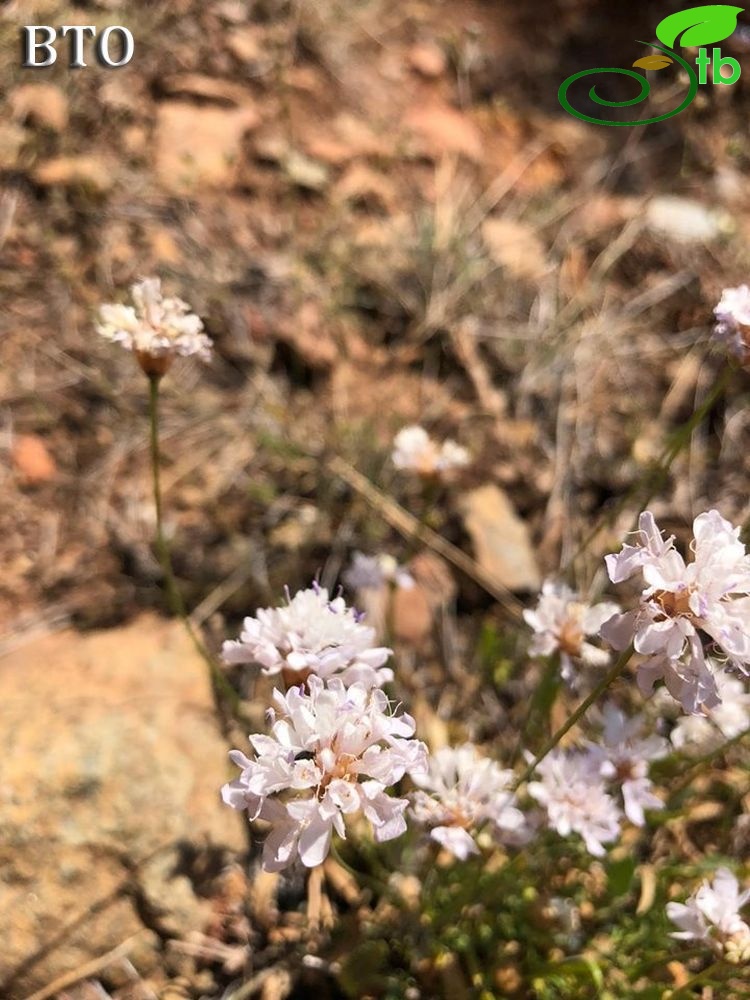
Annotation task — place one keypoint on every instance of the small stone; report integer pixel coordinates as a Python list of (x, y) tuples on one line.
[(75, 171), (305, 172), (209, 88), (516, 248), (428, 59), (233, 11), (501, 539), (32, 460), (685, 220), (199, 146), (245, 44), (41, 102)]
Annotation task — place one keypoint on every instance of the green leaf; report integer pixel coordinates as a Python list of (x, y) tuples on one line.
[(620, 876), (698, 25)]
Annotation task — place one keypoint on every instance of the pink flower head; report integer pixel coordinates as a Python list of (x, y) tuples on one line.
[(682, 603), (562, 623), (155, 328), (629, 753), (699, 734), (415, 450), (712, 915), (462, 791), (571, 789), (332, 751), (311, 634)]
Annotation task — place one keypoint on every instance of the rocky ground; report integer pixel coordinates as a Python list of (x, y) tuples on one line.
[(384, 217)]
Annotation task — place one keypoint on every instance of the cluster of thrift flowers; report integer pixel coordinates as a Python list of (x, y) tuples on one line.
[(628, 754), (571, 788), (462, 792), (562, 623), (733, 322), (573, 785), (312, 634), (332, 751), (684, 604), (712, 915), (414, 450), (155, 328)]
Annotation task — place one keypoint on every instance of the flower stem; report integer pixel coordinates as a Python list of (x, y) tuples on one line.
[(612, 674), (542, 698), (219, 684), (708, 758), (655, 476)]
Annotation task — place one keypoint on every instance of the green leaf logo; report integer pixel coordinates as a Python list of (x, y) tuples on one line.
[(653, 62), (698, 25)]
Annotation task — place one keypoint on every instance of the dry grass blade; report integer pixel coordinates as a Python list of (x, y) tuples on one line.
[(89, 969), (408, 526), (8, 205)]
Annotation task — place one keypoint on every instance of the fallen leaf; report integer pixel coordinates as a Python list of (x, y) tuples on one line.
[(501, 539), (442, 129)]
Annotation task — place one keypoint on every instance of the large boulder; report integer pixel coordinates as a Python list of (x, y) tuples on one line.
[(110, 775)]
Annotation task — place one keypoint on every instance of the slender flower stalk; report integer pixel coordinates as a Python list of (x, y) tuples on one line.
[(657, 474), (701, 763), (609, 678), (174, 596)]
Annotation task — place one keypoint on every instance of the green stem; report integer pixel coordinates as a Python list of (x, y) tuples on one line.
[(695, 766), (542, 698), (220, 685), (679, 956), (612, 674), (656, 475)]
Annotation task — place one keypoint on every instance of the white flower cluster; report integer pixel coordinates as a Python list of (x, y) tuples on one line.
[(562, 623), (575, 786), (336, 747), (572, 790), (683, 605), (733, 322), (414, 450), (311, 634), (462, 792), (712, 915), (154, 327), (627, 754), (333, 751)]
